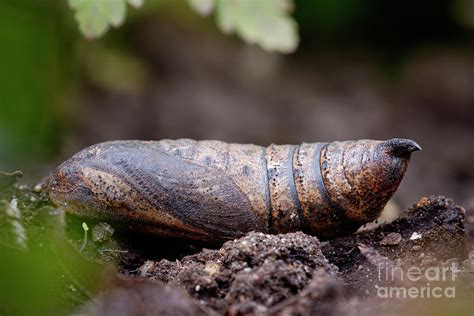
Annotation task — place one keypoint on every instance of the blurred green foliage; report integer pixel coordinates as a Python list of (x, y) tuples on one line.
[(41, 272), (35, 58), (30, 273), (28, 283)]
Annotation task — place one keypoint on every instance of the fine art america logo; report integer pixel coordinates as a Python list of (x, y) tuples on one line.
[(416, 282)]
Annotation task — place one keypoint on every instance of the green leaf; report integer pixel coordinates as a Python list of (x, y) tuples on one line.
[(263, 22), (96, 16)]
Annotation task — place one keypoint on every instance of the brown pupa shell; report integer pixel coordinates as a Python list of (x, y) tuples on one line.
[(213, 191)]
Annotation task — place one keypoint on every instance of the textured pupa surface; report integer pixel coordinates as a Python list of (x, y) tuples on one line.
[(212, 190)]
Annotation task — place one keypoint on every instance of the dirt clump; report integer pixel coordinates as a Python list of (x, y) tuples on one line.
[(259, 268)]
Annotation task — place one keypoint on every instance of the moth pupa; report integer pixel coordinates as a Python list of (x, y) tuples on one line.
[(214, 191)]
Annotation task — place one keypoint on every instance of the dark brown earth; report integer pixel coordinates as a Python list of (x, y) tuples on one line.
[(258, 269), (294, 274), (438, 220)]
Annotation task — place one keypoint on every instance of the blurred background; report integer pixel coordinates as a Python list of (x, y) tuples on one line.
[(363, 69)]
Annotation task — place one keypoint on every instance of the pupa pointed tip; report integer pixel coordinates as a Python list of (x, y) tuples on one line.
[(402, 146)]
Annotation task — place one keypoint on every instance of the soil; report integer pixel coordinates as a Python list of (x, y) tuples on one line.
[(295, 274), (258, 268)]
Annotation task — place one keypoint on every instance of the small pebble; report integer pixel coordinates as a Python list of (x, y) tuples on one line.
[(415, 236), (102, 232), (391, 239), (416, 248), (38, 188), (212, 268), (146, 268)]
